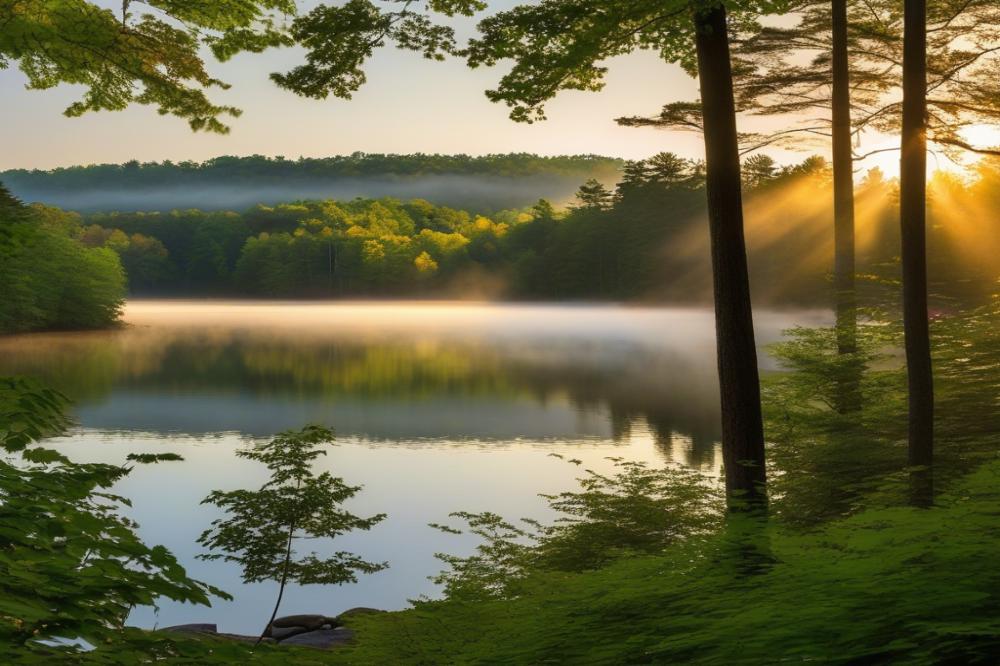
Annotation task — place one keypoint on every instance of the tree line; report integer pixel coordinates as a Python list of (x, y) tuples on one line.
[(483, 184), (609, 244), (258, 169)]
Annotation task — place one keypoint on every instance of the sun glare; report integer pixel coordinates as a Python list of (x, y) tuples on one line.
[(884, 154), (982, 136)]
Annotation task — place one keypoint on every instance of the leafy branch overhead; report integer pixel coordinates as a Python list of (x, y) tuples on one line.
[(340, 39), (555, 45), (151, 57), (788, 70)]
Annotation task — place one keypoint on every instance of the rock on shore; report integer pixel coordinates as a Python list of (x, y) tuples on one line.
[(316, 631)]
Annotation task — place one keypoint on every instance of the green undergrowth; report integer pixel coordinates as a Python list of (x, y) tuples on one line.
[(841, 571), (891, 585)]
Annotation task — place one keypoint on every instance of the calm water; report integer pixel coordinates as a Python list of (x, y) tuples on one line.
[(437, 407)]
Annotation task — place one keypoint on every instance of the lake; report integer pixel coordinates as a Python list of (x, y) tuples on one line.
[(438, 407)]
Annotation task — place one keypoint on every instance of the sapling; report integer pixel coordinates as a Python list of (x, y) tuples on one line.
[(262, 526)]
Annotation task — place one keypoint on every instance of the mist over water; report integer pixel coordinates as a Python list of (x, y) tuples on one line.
[(386, 370), (478, 193), (437, 406)]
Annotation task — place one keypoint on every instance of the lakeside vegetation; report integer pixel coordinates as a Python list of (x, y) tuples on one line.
[(658, 564), (840, 570), (610, 244)]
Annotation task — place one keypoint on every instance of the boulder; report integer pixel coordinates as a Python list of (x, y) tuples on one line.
[(316, 631), (311, 622), (281, 633), (292, 625), (322, 638), (246, 639)]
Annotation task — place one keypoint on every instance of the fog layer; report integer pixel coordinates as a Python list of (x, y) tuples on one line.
[(478, 193)]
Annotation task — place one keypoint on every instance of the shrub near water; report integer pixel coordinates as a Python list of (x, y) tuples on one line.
[(71, 565), (636, 510), (895, 585), (262, 528)]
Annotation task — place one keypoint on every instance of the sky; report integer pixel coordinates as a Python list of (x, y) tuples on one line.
[(408, 105)]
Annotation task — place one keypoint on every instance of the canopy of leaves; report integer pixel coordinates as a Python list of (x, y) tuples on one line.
[(554, 44), (962, 70), (150, 57), (787, 70), (341, 38)]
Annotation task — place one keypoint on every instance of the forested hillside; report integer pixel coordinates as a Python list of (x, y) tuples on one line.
[(604, 244), (481, 184), (607, 245)]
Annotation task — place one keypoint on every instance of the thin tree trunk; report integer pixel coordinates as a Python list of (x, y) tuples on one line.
[(913, 213), (848, 380), (281, 588), (739, 383)]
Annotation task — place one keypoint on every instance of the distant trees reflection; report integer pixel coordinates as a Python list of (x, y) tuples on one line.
[(625, 385)]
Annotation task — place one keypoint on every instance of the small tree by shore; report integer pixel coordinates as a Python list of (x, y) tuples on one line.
[(262, 526)]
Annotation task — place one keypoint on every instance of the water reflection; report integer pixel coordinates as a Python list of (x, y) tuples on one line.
[(438, 407), (447, 373)]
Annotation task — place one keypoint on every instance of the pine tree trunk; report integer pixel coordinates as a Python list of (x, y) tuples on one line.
[(848, 380), (913, 212), (742, 425)]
